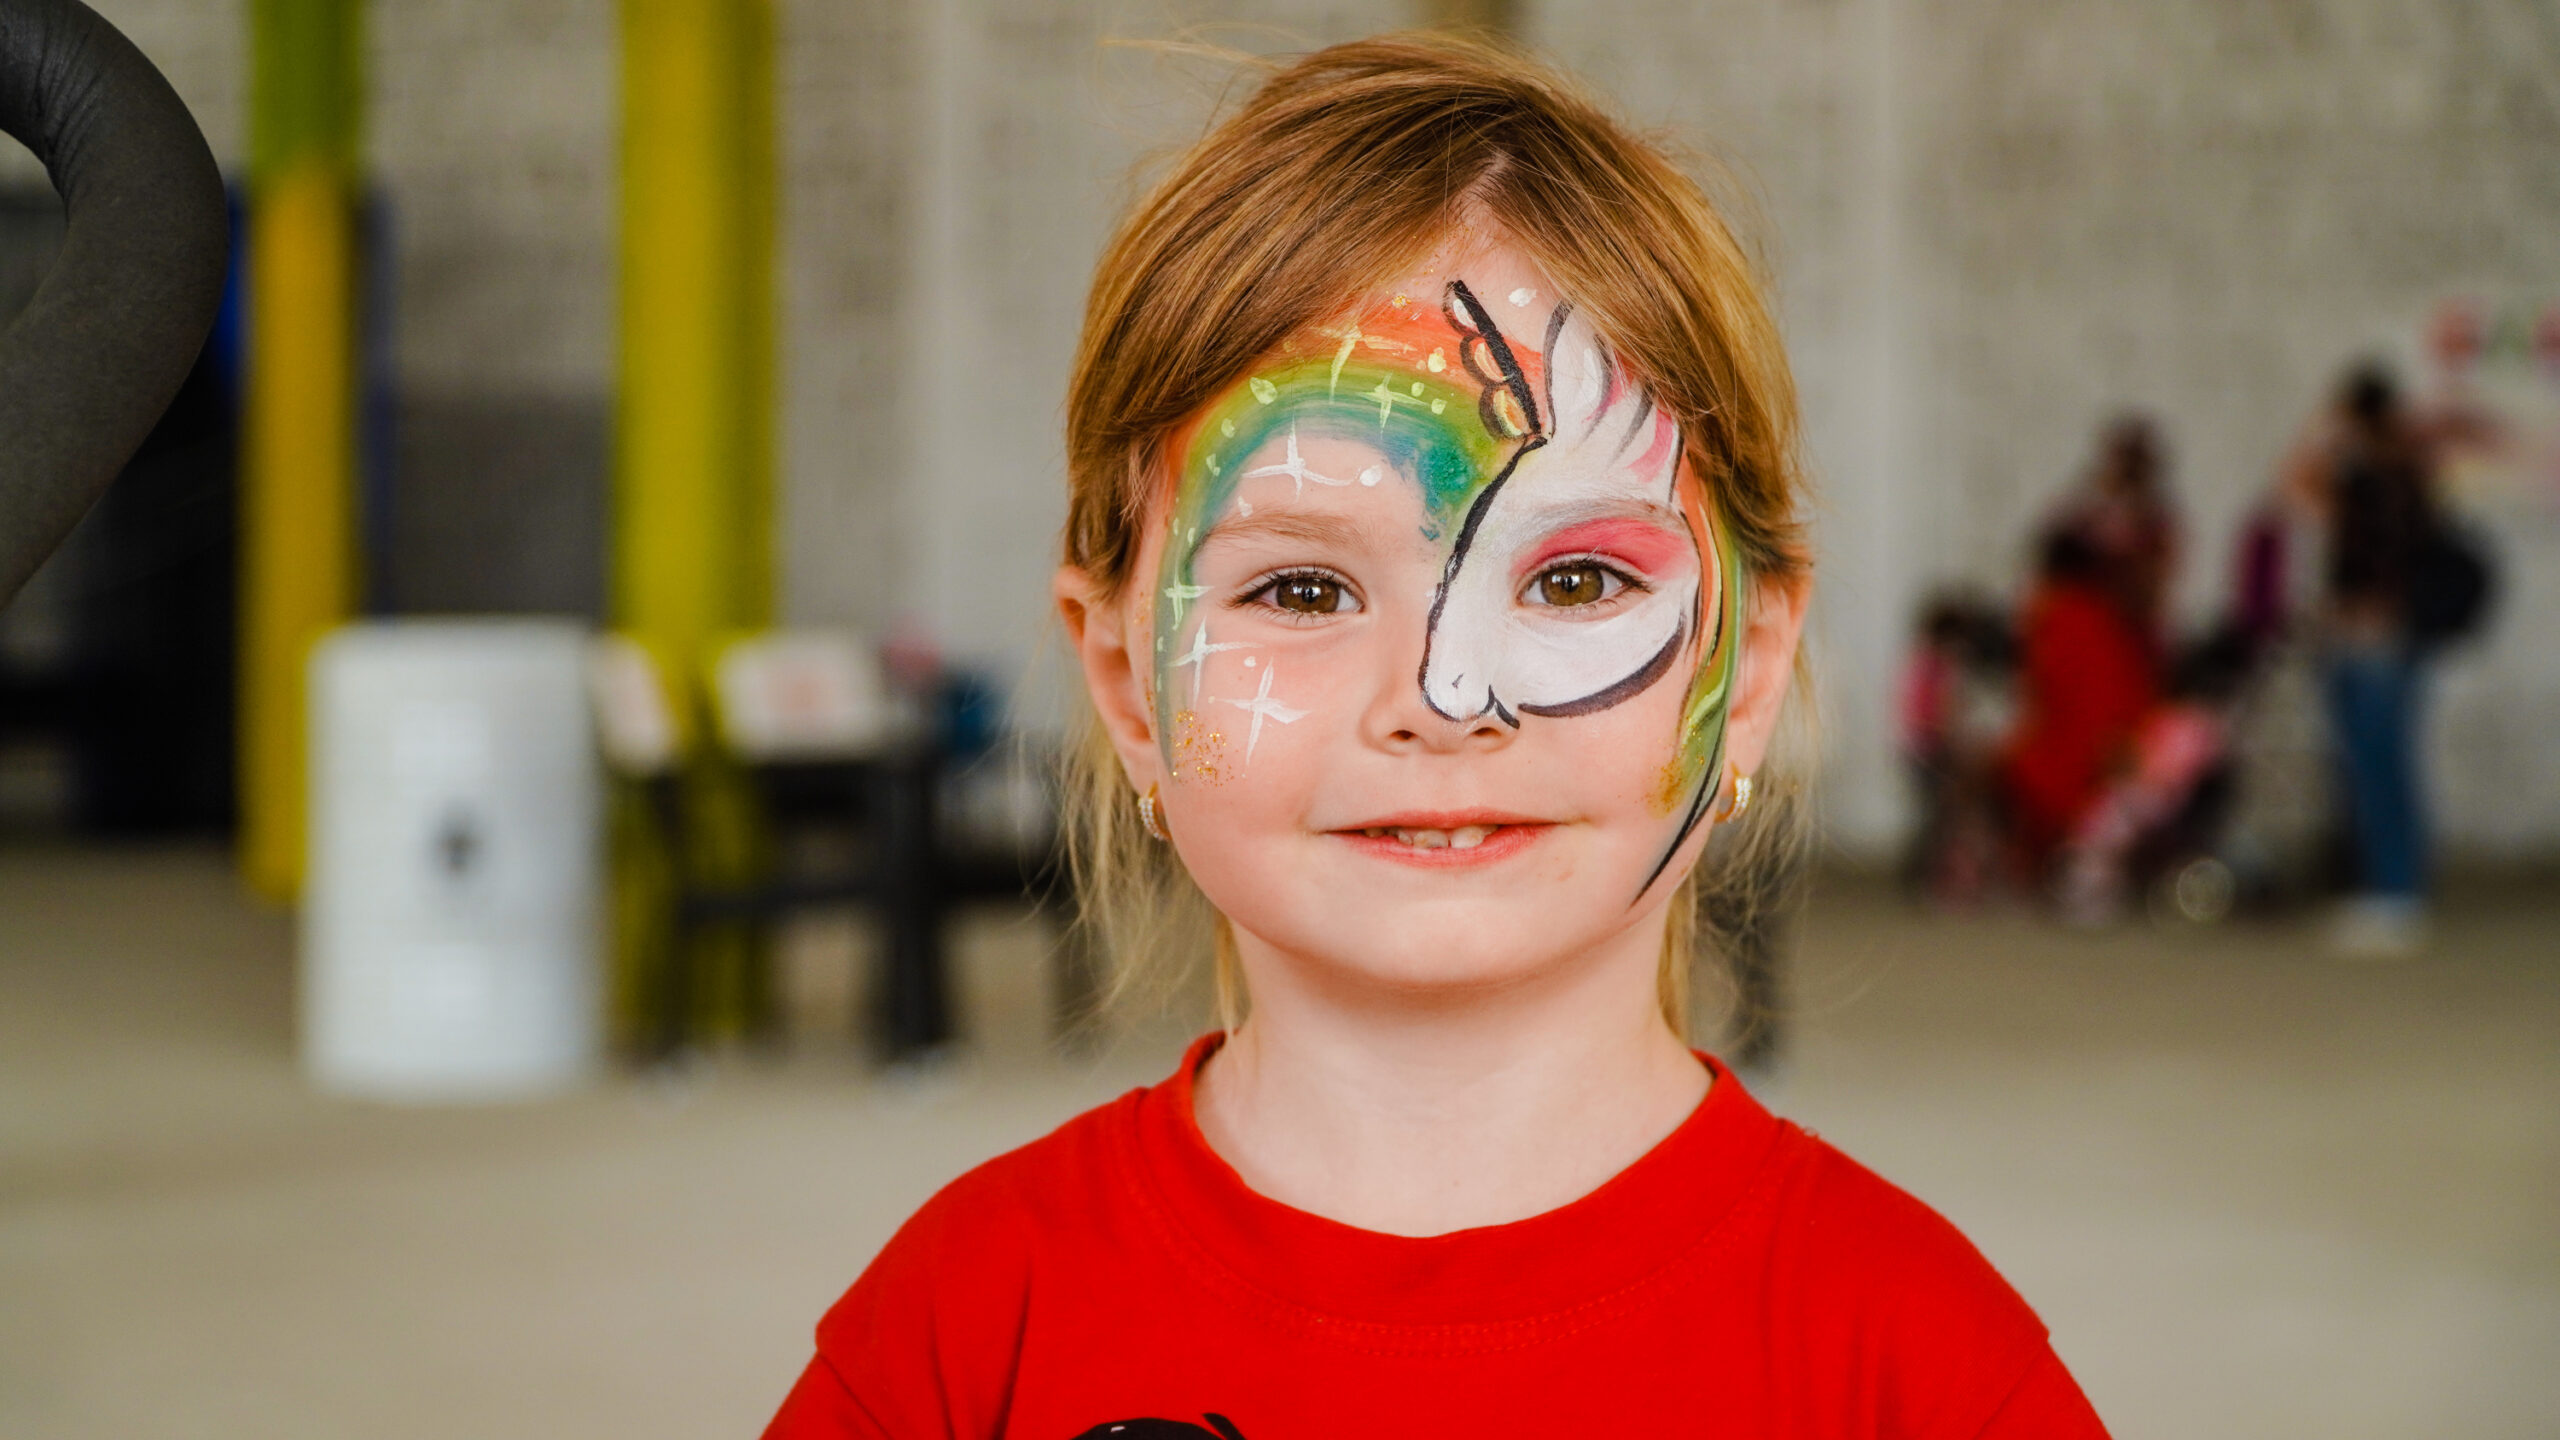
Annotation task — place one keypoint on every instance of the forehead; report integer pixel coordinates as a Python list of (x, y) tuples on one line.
[(1413, 373)]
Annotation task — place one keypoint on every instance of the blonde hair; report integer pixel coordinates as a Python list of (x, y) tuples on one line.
[(1335, 177)]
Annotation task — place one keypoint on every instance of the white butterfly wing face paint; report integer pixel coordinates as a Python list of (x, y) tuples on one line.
[(1603, 462)]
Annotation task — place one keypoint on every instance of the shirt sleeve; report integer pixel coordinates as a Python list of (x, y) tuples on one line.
[(2046, 1405), (923, 1346), (820, 1407)]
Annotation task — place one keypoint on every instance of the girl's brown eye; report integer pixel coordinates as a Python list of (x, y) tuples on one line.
[(1308, 594), (1577, 583)]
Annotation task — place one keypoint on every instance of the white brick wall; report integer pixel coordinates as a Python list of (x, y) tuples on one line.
[(849, 90), (492, 131), (1995, 223)]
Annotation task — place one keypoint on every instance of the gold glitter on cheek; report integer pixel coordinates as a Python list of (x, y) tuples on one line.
[(1669, 787), (1199, 753)]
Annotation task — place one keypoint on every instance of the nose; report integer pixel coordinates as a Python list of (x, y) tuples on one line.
[(1454, 694), (1402, 717)]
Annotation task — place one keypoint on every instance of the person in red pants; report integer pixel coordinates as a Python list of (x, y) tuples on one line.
[(2086, 677)]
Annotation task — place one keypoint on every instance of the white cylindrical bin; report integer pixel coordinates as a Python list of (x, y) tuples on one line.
[(450, 913)]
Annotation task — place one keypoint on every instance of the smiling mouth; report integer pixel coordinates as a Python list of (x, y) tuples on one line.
[(1461, 839), (1464, 837)]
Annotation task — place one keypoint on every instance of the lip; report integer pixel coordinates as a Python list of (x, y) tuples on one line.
[(1511, 835), (1440, 820)]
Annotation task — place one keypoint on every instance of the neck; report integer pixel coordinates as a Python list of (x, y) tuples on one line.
[(1419, 1114)]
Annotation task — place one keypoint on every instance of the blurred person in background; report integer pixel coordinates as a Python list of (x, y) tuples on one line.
[(2166, 802), (1925, 699), (2364, 475), (1953, 711), (2086, 676), (2123, 515)]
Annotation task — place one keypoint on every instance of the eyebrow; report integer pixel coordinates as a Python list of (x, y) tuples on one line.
[(1651, 511), (1283, 525)]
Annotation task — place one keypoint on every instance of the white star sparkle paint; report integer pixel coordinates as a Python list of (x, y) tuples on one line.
[(1197, 657), (1182, 595), (1263, 707), (1295, 467)]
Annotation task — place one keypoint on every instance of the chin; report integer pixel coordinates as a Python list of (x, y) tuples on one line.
[(1430, 949)]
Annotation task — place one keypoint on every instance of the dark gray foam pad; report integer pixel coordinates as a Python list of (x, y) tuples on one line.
[(89, 365)]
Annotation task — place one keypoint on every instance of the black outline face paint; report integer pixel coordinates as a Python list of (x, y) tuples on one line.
[(1513, 380), (1487, 356)]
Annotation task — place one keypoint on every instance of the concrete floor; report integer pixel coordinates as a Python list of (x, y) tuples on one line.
[(2255, 1192)]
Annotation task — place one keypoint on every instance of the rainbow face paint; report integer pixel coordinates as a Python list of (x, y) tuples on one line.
[(1542, 469)]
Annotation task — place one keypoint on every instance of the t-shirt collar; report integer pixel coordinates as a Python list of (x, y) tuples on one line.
[(1653, 1213)]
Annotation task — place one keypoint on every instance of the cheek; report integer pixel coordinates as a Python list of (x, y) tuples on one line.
[(1254, 721), (1199, 751), (1628, 757), (1238, 797)]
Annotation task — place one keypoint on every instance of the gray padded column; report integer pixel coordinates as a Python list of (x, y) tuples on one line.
[(88, 366)]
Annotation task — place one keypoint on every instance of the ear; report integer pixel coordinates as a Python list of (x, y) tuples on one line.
[(1117, 671), (1772, 625)]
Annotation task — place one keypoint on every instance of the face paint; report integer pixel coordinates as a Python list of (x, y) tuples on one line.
[(1199, 750), (1580, 567), (1702, 715), (1597, 450)]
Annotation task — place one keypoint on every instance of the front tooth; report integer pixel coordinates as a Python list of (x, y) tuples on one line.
[(1468, 837), (1425, 839)]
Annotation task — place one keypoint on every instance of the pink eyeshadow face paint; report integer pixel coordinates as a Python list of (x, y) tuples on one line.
[(1647, 549)]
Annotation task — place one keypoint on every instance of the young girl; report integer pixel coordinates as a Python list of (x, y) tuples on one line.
[(1433, 566)]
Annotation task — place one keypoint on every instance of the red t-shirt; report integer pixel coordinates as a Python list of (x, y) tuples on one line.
[(1117, 1279)]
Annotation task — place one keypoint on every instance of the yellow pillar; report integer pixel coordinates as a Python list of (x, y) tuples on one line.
[(297, 483), (693, 487), (692, 499)]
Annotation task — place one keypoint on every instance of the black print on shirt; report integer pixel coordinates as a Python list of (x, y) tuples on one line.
[(1220, 1428)]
